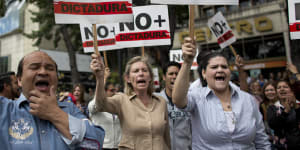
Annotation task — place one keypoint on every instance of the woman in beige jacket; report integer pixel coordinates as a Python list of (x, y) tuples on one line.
[(143, 116)]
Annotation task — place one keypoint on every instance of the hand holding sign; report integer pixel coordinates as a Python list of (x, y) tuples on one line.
[(188, 50)]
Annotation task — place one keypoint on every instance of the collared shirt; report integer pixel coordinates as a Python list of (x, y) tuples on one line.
[(22, 130), (109, 122), (143, 128), (180, 125), (210, 130)]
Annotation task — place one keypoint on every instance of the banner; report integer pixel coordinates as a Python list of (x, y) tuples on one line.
[(92, 11), (220, 28), (176, 55), (197, 2), (150, 28), (294, 18)]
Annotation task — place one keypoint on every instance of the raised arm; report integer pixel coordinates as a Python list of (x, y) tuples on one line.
[(98, 69), (292, 68), (239, 62), (182, 81)]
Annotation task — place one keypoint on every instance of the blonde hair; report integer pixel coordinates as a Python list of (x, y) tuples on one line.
[(128, 87)]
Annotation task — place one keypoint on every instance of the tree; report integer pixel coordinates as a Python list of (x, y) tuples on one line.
[(50, 31)]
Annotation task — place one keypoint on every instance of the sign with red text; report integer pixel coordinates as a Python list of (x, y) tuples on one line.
[(105, 36), (149, 28), (92, 11), (220, 28), (197, 2), (294, 18), (176, 55)]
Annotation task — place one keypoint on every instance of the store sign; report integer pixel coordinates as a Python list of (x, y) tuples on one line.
[(176, 55), (294, 18), (197, 2), (150, 28), (220, 28), (241, 27), (92, 11)]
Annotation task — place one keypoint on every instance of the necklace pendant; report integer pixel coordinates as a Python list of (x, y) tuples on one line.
[(228, 106)]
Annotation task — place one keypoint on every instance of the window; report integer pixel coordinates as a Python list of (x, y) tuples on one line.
[(209, 12), (3, 64), (245, 3), (221, 9)]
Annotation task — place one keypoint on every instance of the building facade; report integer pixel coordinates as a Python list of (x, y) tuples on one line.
[(261, 29)]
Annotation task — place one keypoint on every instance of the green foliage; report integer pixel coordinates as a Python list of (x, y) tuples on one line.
[(2, 8), (48, 29), (114, 78)]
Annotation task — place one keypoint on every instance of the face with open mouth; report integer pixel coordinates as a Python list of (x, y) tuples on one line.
[(77, 92), (217, 74), (283, 90), (170, 77), (39, 73), (139, 76)]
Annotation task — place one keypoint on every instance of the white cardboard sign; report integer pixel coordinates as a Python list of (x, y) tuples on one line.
[(105, 36), (176, 55), (150, 28), (220, 28), (92, 11), (197, 2), (294, 18)]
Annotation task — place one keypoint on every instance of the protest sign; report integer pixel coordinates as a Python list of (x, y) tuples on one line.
[(220, 28), (150, 27), (105, 37), (294, 18), (197, 2), (92, 11), (176, 55)]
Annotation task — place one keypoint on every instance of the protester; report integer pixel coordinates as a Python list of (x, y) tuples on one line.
[(37, 120), (179, 121), (282, 118), (143, 116), (78, 93), (9, 85), (223, 116), (108, 121)]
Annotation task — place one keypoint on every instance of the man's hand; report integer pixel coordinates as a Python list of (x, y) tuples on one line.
[(292, 68), (97, 66), (188, 50), (42, 105)]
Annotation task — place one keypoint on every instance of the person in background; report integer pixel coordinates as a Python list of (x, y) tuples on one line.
[(109, 122), (179, 121), (282, 118), (9, 87), (143, 115), (255, 90), (78, 93), (223, 116), (37, 120)]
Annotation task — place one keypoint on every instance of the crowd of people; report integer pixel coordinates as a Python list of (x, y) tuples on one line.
[(213, 112)]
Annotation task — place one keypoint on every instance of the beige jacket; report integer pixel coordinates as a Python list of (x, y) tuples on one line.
[(142, 128)]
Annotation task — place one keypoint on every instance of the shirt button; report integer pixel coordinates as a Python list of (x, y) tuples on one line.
[(43, 131)]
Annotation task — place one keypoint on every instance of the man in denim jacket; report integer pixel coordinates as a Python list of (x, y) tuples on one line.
[(37, 120)]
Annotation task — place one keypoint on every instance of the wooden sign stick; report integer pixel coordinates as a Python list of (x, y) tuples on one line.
[(95, 42), (233, 50), (143, 51), (105, 59), (191, 20)]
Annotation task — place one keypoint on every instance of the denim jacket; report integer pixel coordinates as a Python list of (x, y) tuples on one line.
[(21, 130)]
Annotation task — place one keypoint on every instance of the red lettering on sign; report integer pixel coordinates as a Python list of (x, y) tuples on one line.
[(104, 8), (105, 42), (149, 35), (295, 27), (225, 37)]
